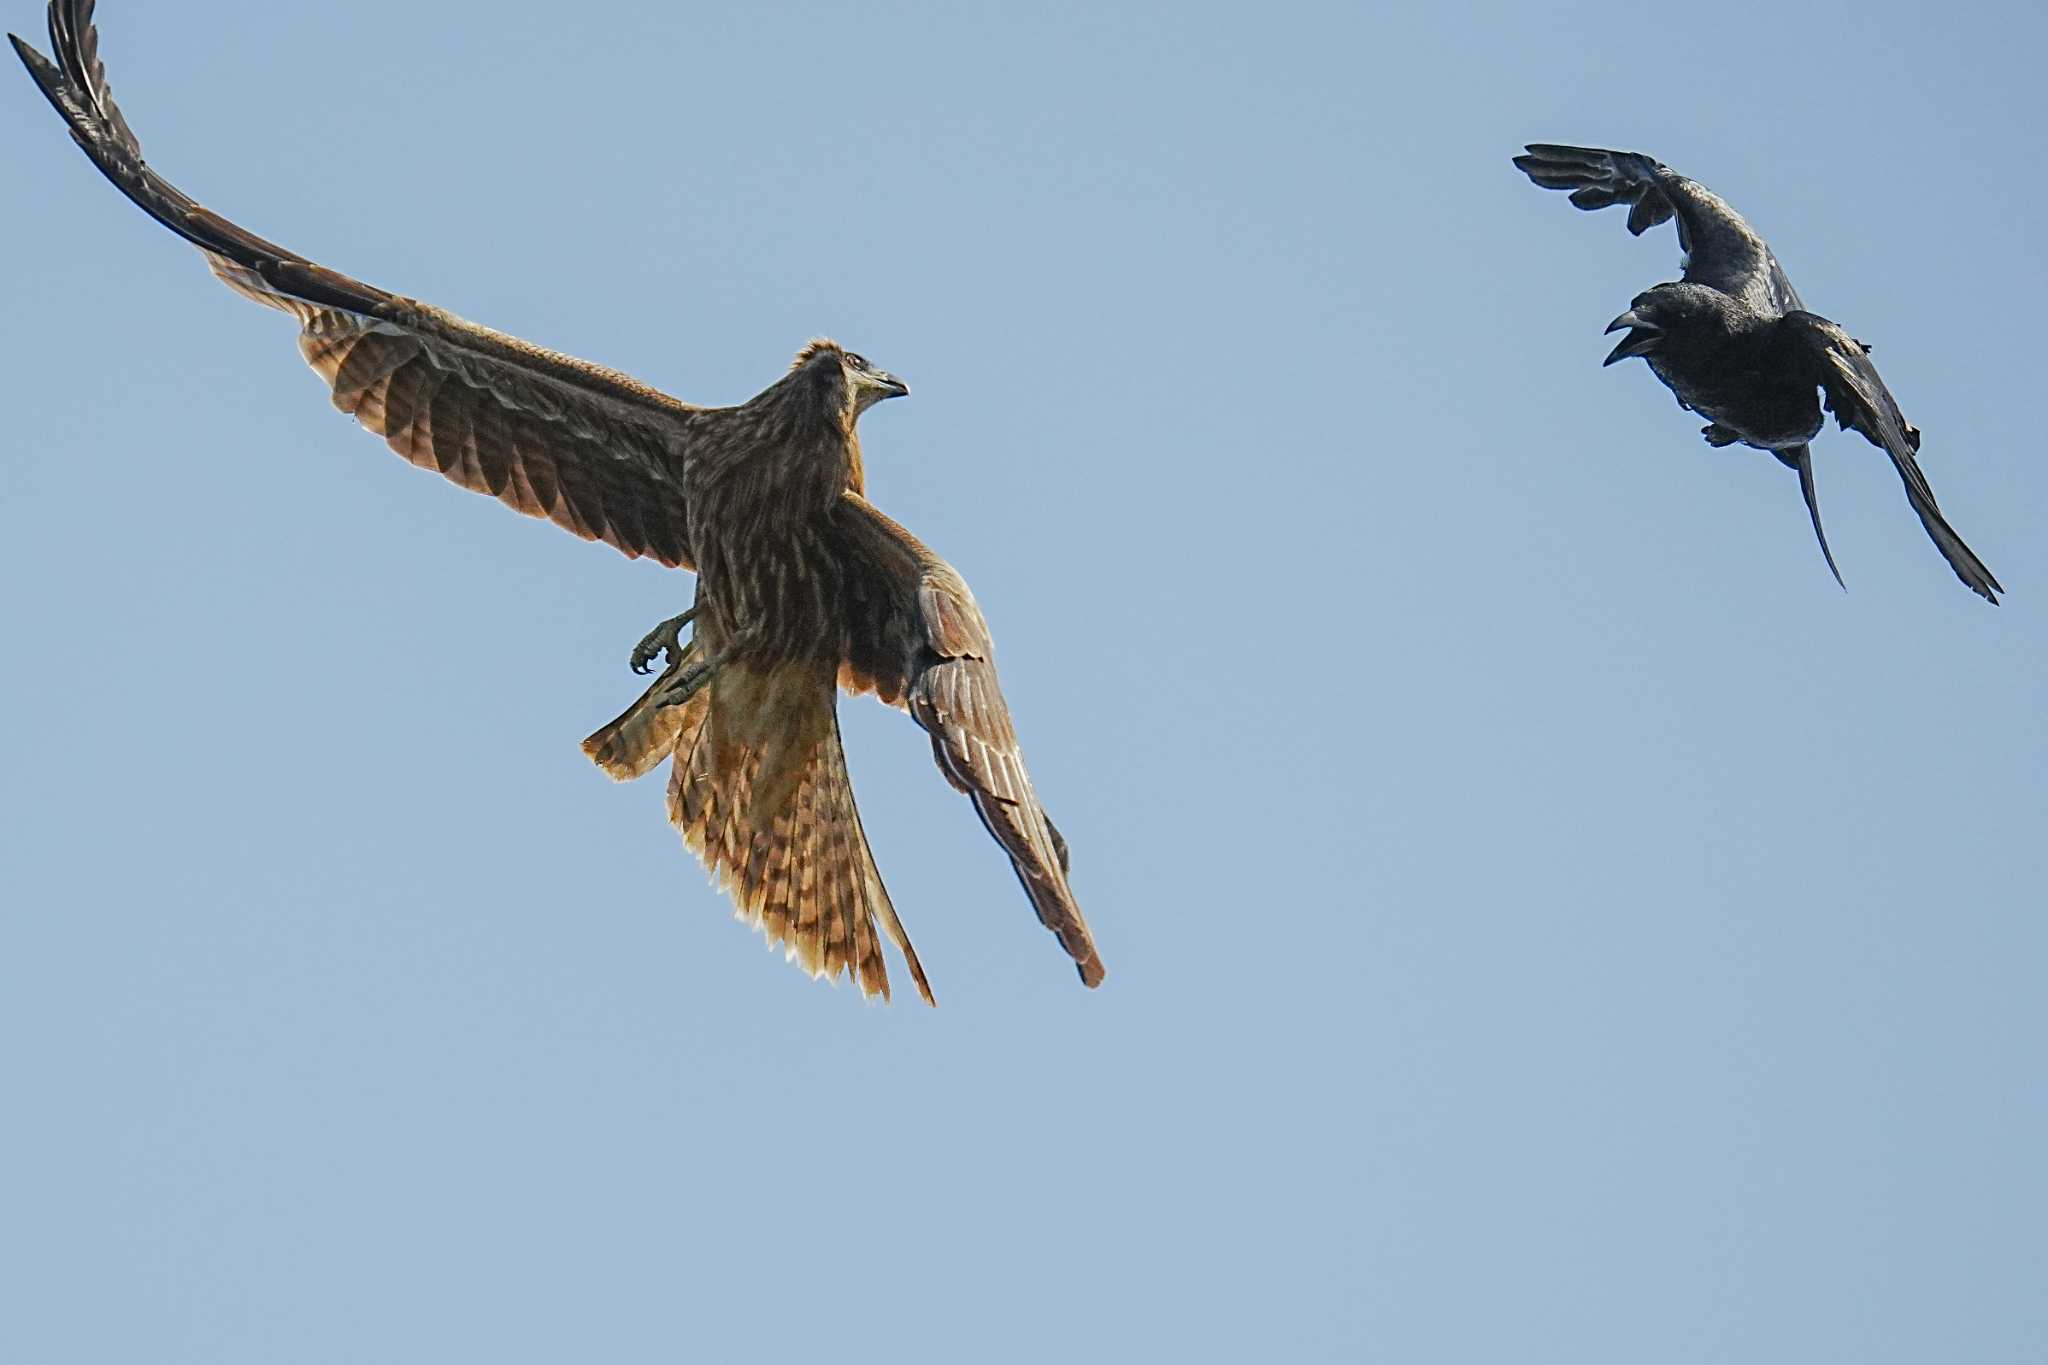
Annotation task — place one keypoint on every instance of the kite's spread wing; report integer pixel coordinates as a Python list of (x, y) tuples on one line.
[(594, 451), (919, 641)]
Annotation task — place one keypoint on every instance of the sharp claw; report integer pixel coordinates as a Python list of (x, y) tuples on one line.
[(692, 681), (665, 639)]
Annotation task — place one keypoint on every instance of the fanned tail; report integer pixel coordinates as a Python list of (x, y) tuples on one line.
[(760, 792)]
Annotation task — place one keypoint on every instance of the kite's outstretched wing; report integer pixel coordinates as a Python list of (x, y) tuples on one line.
[(594, 451), (1858, 398), (917, 640), (1721, 250)]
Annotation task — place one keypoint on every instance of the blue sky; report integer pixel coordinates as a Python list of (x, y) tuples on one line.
[(1547, 920)]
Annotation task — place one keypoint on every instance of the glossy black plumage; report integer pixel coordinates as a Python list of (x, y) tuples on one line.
[(1734, 343)]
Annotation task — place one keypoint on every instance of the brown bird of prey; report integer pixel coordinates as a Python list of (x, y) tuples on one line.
[(803, 587)]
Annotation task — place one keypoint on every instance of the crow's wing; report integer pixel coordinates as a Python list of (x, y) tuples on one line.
[(1721, 250), (917, 640), (1858, 398), (592, 450)]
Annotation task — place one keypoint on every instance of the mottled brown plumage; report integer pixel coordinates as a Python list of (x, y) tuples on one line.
[(803, 587)]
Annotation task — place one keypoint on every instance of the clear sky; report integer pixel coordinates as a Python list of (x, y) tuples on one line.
[(1547, 920)]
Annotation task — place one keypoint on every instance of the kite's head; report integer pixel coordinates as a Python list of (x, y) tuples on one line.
[(864, 384)]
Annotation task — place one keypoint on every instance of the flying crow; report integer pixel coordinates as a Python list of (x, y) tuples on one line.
[(1733, 342)]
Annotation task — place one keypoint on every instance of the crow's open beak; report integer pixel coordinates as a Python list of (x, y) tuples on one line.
[(1642, 337)]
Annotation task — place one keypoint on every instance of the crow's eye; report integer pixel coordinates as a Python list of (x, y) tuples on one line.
[(858, 362)]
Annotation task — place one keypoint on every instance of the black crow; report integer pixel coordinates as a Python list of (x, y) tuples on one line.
[(1733, 342)]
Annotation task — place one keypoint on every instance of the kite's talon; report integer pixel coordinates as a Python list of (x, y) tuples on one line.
[(665, 639), (691, 680)]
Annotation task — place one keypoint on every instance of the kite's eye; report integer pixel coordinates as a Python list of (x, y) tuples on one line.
[(858, 362)]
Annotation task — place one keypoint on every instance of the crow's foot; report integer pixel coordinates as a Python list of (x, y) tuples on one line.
[(1718, 435)]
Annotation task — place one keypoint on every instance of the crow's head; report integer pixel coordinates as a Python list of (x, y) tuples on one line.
[(1656, 313), (861, 384)]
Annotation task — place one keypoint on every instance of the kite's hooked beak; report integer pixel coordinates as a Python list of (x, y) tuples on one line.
[(1643, 337), (872, 386)]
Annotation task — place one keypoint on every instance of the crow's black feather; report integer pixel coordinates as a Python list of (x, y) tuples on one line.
[(1733, 341)]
